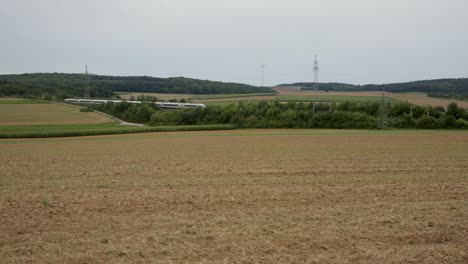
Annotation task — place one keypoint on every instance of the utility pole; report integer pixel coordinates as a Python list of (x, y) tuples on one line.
[(316, 74), (316, 80), (87, 92)]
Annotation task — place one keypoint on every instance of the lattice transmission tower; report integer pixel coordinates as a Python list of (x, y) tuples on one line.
[(87, 92), (316, 74), (316, 83)]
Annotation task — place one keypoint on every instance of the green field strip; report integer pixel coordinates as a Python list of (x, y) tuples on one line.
[(226, 96), (237, 133), (233, 102), (333, 98), (23, 101), (93, 130)]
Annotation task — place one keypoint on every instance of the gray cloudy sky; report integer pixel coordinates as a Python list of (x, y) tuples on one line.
[(357, 41)]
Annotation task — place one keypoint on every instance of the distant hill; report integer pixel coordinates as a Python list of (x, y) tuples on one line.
[(53, 86), (440, 86), (69, 85)]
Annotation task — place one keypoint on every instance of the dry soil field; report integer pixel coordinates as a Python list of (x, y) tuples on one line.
[(246, 196)]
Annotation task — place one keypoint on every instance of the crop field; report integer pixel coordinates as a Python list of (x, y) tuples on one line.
[(96, 129), (33, 119), (226, 102), (331, 98), (202, 97), (295, 98), (289, 93), (230, 96), (296, 90), (423, 100), (286, 94), (420, 99), (20, 101), (243, 196), (163, 96), (46, 114)]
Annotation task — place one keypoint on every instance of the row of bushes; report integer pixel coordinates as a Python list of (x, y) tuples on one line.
[(294, 115), (429, 122), (449, 96)]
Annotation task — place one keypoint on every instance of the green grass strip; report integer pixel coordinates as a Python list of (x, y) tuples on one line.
[(223, 96), (233, 102), (23, 101), (246, 133), (93, 130), (332, 98)]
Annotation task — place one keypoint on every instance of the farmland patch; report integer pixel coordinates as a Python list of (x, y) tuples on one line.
[(237, 196)]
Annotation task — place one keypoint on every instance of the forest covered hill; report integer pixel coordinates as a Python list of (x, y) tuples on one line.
[(440, 86), (63, 85)]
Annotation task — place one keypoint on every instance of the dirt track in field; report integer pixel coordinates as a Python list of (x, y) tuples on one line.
[(247, 196)]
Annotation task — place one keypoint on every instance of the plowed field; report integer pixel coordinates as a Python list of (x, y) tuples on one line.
[(246, 196)]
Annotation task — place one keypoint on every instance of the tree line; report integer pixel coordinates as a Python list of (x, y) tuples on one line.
[(294, 115), (14, 89), (62, 85)]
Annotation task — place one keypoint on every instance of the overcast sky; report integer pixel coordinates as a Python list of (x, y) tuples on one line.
[(357, 41)]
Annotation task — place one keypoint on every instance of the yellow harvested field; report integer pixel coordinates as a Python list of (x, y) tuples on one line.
[(47, 114), (245, 196)]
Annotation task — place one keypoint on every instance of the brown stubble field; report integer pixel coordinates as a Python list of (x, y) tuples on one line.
[(246, 196)]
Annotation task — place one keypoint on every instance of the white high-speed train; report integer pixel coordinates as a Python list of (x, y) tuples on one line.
[(167, 105)]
